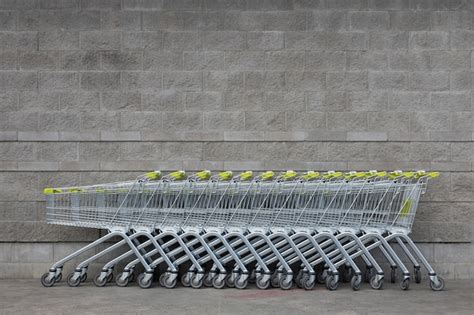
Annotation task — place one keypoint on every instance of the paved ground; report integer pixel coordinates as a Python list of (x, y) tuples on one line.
[(29, 297)]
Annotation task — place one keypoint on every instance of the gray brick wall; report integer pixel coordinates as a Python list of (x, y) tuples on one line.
[(94, 91)]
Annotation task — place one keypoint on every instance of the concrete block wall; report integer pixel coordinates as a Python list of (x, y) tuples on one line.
[(95, 91)]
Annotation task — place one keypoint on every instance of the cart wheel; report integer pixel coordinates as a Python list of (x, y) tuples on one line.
[(262, 285), (321, 278), (168, 283), (99, 282), (298, 277), (439, 286), (161, 279), (229, 282), (217, 283), (84, 277), (241, 284), (58, 277), (405, 284), (196, 283), (71, 281), (208, 280), (376, 285), (47, 283), (110, 277), (142, 283), (331, 283), (356, 280), (307, 284), (285, 285), (131, 277), (417, 275), (275, 280), (393, 275), (185, 280), (122, 282)]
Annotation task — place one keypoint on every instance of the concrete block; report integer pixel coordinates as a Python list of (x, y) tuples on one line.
[(430, 151), (182, 5), (388, 40), (450, 166), (100, 4), (429, 121), (79, 60), (8, 136), (223, 81), (428, 81), (449, 60), (309, 4), (462, 39), (203, 101), (451, 20), (451, 136), (367, 20), (462, 121), (12, 182), (182, 80), (34, 101), (162, 60), (265, 41), (182, 121), (322, 60), (304, 121), (332, 102), (244, 165), (410, 20), (389, 121), (13, 121), (8, 60), (121, 101), (389, 152), (8, 20), (142, 40), (245, 60), (223, 151), (120, 21), (224, 121), (367, 60), (19, 81), (58, 40), (59, 4), (17, 151), (37, 136), (284, 21), (266, 151), (80, 101), (138, 121), (462, 151), (266, 80), (19, 40), (265, 121), (306, 81), (5, 252), (429, 40), (163, 20), (24, 252), (451, 232), (141, 150), (167, 100), (244, 136), (120, 136), (280, 101), (179, 41), (225, 40), (367, 136), (352, 121), (79, 166), (284, 136), (182, 151), (305, 40), (8, 102), (18, 5), (90, 151), (59, 121), (38, 166), (347, 81), (409, 61), (393, 80), (100, 40), (45, 20), (224, 5), (100, 81), (144, 81), (79, 136), (285, 60), (329, 20), (203, 60), (450, 101), (57, 80), (98, 121), (142, 5), (203, 136), (249, 101), (409, 101), (57, 151), (348, 151), (347, 41), (460, 80), (114, 60)]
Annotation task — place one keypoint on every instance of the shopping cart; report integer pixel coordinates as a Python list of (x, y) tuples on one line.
[(245, 220)]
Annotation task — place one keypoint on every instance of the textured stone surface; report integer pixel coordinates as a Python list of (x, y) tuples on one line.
[(94, 91)]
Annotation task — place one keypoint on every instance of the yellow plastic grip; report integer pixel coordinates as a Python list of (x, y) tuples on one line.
[(177, 175), (50, 191), (381, 174), (332, 174), (310, 175), (247, 175), (268, 175), (203, 175), (408, 174), (433, 174), (395, 174), (153, 175), (227, 175), (75, 190), (289, 175)]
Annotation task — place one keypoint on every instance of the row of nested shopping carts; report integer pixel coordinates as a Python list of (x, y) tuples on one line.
[(228, 229)]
